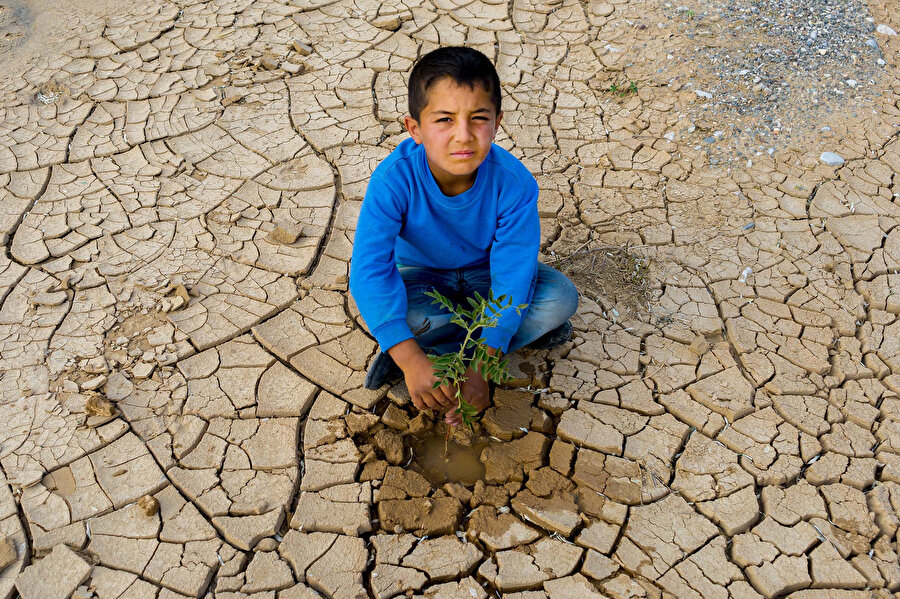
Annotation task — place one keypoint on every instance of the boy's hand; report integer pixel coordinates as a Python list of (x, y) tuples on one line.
[(420, 381), (475, 391), (419, 374)]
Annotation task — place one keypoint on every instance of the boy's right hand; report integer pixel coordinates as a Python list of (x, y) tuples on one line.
[(419, 374), (420, 381)]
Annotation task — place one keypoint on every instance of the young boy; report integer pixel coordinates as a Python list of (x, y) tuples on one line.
[(451, 211)]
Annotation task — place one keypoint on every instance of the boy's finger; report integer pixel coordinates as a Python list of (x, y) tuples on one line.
[(447, 400), (448, 396), (433, 402), (417, 401)]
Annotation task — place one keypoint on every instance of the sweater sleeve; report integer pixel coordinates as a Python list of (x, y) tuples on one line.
[(375, 282), (513, 260)]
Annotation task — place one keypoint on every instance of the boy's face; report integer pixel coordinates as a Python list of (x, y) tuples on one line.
[(457, 127)]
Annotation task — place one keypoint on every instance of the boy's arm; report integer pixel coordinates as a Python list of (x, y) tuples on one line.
[(375, 282), (380, 295), (514, 260)]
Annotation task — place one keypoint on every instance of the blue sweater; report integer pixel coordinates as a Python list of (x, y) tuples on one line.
[(405, 219)]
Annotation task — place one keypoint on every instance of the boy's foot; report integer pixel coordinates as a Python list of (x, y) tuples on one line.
[(382, 369), (557, 336)]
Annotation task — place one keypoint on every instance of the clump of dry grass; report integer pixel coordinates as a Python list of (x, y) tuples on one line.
[(616, 277)]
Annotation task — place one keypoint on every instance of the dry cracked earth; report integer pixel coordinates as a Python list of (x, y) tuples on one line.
[(181, 387)]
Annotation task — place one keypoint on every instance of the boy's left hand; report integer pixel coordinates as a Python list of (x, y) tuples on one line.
[(475, 391)]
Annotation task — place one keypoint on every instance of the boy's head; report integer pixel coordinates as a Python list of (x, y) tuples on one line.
[(454, 105), (465, 66)]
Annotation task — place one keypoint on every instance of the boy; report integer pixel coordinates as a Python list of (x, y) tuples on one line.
[(449, 210)]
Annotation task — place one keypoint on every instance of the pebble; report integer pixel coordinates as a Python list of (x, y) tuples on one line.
[(94, 383), (702, 93), (831, 159), (143, 370), (885, 30)]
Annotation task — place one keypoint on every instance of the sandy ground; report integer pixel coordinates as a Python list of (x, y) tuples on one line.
[(181, 373)]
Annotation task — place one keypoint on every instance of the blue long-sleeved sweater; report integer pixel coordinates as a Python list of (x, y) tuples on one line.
[(406, 219)]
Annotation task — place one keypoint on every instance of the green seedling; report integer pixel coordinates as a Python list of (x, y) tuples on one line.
[(621, 90), (450, 369)]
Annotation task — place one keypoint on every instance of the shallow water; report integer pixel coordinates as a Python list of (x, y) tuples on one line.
[(460, 464)]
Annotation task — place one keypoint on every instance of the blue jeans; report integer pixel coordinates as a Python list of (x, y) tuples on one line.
[(554, 301)]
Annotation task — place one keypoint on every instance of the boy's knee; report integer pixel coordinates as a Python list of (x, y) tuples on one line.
[(418, 321), (569, 301), (563, 294)]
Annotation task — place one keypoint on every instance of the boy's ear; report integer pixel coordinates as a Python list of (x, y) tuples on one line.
[(412, 125), (497, 122)]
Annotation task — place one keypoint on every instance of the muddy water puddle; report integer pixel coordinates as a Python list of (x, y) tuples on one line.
[(459, 464)]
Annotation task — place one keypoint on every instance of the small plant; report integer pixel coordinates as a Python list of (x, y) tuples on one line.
[(621, 90), (450, 369)]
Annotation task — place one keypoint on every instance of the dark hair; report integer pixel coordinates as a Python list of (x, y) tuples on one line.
[(466, 66)]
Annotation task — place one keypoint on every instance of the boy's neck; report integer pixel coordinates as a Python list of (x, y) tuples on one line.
[(451, 185)]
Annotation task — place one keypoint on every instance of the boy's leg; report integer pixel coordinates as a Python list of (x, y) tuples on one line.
[(547, 319), (554, 302)]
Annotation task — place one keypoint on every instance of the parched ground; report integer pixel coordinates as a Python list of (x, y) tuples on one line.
[(181, 379)]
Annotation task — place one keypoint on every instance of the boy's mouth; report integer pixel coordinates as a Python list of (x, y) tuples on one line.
[(464, 154)]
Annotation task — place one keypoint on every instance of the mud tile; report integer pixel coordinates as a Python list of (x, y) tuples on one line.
[(707, 573), (664, 533), (784, 574), (735, 513), (707, 470), (443, 558), (343, 509), (499, 530), (57, 575), (789, 506), (829, 570), (467, 587), (557, 513), (424, 516)]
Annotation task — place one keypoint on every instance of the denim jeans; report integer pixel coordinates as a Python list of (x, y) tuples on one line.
[(554, 301)]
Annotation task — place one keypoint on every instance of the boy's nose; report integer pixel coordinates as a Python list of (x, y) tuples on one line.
[(463, 131)]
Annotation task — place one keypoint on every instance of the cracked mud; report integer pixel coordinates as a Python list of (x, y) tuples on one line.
[(181, 387)]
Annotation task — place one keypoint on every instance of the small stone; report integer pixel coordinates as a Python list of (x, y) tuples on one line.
[(143, 370), (268, 62), (391, 22), (885, 30), (94, 383), (293, 68), (232, 99), (182, 292), (149, 505), (284, 233), (831, 159), (301, 48), (100, 406), (83, 592)]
